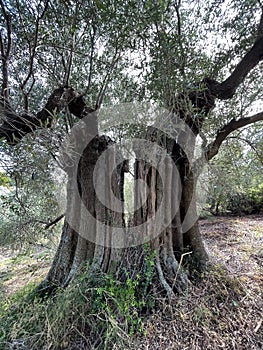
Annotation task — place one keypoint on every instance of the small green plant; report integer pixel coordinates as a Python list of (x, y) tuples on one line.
[(202, 313), (125, 299)]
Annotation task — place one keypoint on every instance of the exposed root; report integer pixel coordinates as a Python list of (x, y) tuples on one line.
[(165, 284)]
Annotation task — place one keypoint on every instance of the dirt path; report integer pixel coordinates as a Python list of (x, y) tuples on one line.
[(236, 244)]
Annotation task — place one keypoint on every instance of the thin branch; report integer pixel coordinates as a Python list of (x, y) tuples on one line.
[(91, 60), (178, 17), (5, 54), (251, 145), (17, 195), (32, 50), (106, 80), (68, 66), (72, 50), (260, 26), (222, 134), (7, 17), (54, 222)]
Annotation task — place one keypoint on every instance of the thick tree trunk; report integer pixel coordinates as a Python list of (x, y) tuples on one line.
[(192, 240), (83, 241), (173, 230), (162, 207), (171, 190)]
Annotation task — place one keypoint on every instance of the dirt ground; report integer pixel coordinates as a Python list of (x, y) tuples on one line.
[(223, 310), (19, 269)]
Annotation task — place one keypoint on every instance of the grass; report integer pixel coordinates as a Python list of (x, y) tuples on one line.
[(219, 312), (95, 311), (222, 310)]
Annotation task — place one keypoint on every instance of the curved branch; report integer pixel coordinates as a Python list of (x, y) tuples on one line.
[(227, 129), (15, 126), (260, 158), (227, 88)]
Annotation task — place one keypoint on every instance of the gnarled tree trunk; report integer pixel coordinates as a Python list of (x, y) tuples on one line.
[(169, 199), (83, 239), (90, 231)]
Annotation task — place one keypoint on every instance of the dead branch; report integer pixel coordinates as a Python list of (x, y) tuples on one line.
[(54, 222)]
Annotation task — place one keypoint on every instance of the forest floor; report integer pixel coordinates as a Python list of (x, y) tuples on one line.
[(223, 310)]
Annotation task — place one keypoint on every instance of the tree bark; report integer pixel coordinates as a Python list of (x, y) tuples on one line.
[(85, 243), (176, 235)]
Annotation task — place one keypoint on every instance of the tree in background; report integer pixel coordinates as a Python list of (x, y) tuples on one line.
[(200, 61), (235, 176)]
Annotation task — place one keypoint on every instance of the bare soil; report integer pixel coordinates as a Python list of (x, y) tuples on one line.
[(20, 269)]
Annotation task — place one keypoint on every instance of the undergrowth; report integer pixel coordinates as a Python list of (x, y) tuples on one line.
[(97, 310)]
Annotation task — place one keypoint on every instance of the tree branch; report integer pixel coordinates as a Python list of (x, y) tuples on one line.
[(52, 223), (91, 57), (260, 26), (5, 53), (178, 4), (227, 88), (15, 127), (104, 85), (213, 147), (69, 63), (32, 54), (260, 158)]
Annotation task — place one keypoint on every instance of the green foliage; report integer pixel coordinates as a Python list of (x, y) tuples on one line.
[(236, 176), (28, 201), (126, 51), (120, 300), (249, 202), (25, 210), (4, 180)]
